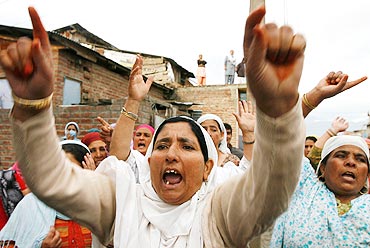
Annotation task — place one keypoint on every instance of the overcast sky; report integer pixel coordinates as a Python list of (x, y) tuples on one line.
[(337, 34)]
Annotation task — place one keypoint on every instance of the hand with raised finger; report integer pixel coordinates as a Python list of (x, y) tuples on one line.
[(28, 64), (89, 163), (274, 61), (331, 85), (106, 130)]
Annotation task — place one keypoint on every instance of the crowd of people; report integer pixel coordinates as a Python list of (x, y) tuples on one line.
[(183, 184)]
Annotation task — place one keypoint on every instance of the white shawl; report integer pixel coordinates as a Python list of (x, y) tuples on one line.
[(143, 219)]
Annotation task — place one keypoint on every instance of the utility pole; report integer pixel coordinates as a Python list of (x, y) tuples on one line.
[(255, 3)]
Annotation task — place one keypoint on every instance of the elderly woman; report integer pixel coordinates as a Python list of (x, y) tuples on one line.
[(97, 146), (216, 129), (333, 206), (176, 204), (142, 136)]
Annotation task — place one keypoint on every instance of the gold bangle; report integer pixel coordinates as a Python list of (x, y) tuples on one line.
[(129, 115), (307, 103), (331, 132), (248, 143), (33, 104)]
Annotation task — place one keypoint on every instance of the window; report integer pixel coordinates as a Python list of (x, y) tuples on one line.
[(242, 96), (71, 92), (6, 100)]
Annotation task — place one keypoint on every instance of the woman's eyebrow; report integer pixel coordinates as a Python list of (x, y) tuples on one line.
[(165, 139), (185, 140)]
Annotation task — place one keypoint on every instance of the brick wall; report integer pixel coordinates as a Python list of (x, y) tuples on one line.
[(221, 100), (84, 115), (97, 82), (6, 147)]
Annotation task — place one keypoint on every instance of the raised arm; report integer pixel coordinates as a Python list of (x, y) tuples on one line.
[(137, 90), (83, 195), (339, 124), (28, 65), (331, 85), (246, 118), (243, 207)]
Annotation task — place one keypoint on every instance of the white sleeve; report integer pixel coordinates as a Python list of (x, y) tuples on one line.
[(84, 195), (242, 208)]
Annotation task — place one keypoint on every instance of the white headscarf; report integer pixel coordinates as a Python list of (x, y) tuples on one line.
[(337, 141), (223, 144), (74, 142), (74, 124), (162, 225)]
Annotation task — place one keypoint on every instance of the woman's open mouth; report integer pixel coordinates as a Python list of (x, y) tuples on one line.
[(141, 145), (171, 177), (349, 175)]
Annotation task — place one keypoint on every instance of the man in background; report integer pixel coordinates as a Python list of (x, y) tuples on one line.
[(230, 64), (229, 134), (240, 71)]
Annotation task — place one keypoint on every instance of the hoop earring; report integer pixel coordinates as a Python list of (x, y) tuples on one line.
[(322, 178), (364, 190)]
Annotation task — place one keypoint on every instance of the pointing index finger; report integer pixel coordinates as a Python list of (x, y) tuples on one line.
[(39, 31), (102, 121)]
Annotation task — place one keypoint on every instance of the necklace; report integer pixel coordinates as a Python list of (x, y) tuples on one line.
[(343, 207)]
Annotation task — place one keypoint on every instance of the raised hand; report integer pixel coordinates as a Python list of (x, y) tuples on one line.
[(331, 85), (246, 116), (28, 64), (339, 124), (137, 91), (138, 88), (274, 62)]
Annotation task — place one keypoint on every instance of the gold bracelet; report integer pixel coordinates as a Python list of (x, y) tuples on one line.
[(129, 115), (331, 132), (307, 103), (248, 143), (32, 104)]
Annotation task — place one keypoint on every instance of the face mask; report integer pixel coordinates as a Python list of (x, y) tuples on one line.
[(72, 133)]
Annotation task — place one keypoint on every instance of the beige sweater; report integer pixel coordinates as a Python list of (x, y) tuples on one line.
[(238, 210)]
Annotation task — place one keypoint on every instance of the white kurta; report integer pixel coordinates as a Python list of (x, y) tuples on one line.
[(235, 212)]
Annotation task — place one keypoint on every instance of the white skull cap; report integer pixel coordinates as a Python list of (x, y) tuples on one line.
[(337, 141)]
